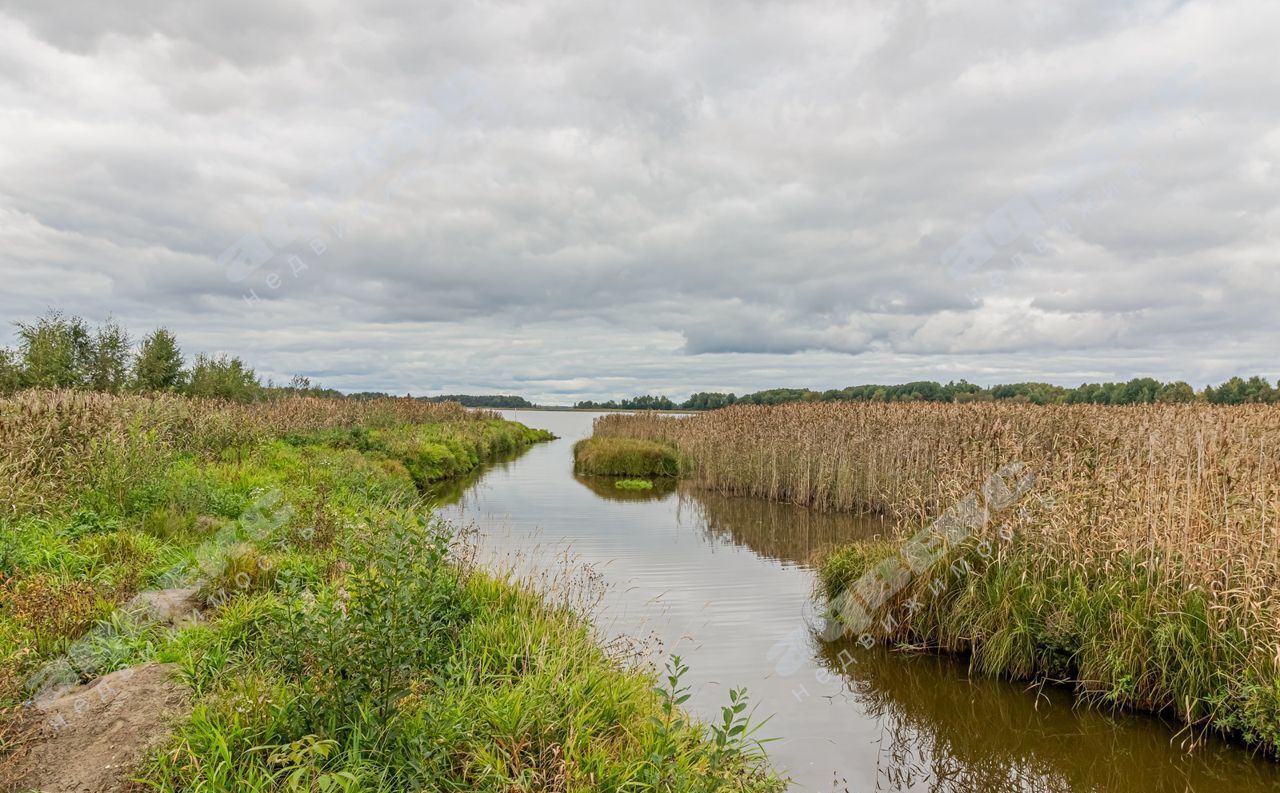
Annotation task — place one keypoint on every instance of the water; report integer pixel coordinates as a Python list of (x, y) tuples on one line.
[(725, 582)]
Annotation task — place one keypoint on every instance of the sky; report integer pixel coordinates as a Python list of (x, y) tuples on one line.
[(575, 200)]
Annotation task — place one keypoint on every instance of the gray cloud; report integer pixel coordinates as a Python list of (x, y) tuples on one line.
[(573, 200)]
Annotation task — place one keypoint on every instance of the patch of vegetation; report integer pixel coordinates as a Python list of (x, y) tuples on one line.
[(415, 674), (1142, 568), (842, 568), (482, 400), (346, 646), (633, 484), (1138, 391), (1120, 636), (628, 457)]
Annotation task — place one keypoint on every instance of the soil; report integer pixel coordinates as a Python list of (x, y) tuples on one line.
[(91, 738)]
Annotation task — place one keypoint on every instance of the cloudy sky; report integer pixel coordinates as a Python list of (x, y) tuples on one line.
[(568, 200)]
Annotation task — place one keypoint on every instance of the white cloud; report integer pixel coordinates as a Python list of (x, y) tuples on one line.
[(602, 200)]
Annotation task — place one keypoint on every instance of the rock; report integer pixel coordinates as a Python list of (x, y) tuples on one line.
[(170, 606)]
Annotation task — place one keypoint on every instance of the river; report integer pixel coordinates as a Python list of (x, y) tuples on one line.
[(725, 582)]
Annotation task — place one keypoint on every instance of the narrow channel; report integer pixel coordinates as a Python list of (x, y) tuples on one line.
[(725, 583)]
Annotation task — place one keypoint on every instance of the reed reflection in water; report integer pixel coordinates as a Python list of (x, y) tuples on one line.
[(725, 581)]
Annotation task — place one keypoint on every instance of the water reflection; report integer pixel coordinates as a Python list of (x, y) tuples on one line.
[(944, 731), (784, 532), (452, 491), (605, 487), (724, 581)]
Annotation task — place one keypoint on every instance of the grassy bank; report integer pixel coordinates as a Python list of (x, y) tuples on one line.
[(346, 645), (1141, 569), (629, 457)]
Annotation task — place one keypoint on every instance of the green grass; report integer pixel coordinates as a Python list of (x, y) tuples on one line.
[(633, 484), (841, 569), (345, 647), (477, 685), (65, 569), (1122, 637), (628, 457)]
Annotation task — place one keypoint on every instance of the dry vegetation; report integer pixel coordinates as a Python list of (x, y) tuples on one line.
[(54, 443), (1192, 489), (1144, 567)]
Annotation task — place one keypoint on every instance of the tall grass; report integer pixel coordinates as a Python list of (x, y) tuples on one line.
[(624, 457), (1145, 568), (348, 645), (56, 443), (106, 495)]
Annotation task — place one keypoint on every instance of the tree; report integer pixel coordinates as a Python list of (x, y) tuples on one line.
[(109, 358), (223, 377), (1178, 392), (10, 371), (1238, 391), (55, 351), (708, 400), (648, 402), (158, 366)]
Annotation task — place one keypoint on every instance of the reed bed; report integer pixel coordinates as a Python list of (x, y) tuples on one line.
[(1192, 490), (1143, 567), (54, 443)]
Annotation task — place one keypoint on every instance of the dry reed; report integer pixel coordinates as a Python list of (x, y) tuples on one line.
[(54, 442), (1187, 495)]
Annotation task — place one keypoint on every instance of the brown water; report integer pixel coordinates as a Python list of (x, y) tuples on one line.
[(725, 583)]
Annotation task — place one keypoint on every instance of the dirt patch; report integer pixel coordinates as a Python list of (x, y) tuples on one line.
[(90, 739)]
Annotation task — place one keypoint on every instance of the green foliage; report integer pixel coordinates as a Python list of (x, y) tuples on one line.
[(647, 402), (10, 371), (223, 377), (108, 365), (630, 457), (363, 646), (1237, 391), (56, 351), (1138, 391), (708, 400), (159, 363), (778, 396), (482, 401), (1177, 392), (841, 569), (140, 517), (633, 484)]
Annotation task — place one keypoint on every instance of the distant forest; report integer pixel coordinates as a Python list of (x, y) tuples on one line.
[(63, 351), (1139, 391)]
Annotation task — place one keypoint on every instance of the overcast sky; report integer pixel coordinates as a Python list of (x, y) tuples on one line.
[(567, 200)]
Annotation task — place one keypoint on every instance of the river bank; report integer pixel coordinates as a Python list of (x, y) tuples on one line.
[(343, 641)]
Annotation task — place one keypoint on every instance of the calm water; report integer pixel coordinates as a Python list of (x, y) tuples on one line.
[(725, 583)]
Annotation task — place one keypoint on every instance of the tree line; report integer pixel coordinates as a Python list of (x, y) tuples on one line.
[(1138, 391), (63, 351)]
